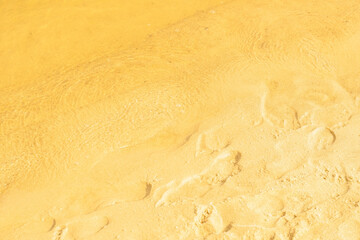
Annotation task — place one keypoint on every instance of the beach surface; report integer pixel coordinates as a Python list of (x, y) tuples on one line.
[(180, 120)]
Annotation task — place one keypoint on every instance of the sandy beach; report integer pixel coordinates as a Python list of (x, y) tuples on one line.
[(180, 120)]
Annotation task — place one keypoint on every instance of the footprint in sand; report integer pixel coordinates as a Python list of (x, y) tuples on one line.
[(39, 224), (128, 192), (80, 228), (293, 99), (321, 138), (333, 175), (342, 113), (208, 220), (260, 211), (295, 148), (222, 167), (268, 207), (213, 140), (275, 108), (291, 151), (281, 116), (329, 103)]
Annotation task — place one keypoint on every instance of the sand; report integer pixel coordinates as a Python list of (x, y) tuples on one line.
[(180, 120)]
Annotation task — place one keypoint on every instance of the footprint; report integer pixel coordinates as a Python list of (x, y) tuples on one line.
[(266, 204), (279, 114), (61, 233), (275, 103), (283, 116), (213, 140), (188, 188), (340, 115), (332, 174), (81, 227), (217, 139), (320, 181), (208, 220), (320, 138), (128, 192), (39, 224), (222, 167), (329, 103), (316, 97), (291, 153), (267, 207)]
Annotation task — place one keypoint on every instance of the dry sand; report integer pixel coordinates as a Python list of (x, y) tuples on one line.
[(180, 120)]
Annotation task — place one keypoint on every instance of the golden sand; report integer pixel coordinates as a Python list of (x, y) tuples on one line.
[(180, 120)]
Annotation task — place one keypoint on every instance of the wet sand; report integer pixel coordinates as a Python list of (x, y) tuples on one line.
[(220, 120)]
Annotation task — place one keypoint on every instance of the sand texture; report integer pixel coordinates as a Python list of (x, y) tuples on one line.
[(216, 120)]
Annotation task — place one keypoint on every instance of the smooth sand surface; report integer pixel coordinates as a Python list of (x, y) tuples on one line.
[(180, 120)]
